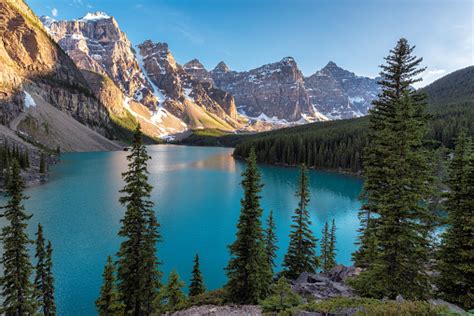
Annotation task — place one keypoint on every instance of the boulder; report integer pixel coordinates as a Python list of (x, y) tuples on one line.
[(340, 273), (320, 286)]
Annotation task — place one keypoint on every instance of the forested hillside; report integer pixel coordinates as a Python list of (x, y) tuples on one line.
[(339, 144)]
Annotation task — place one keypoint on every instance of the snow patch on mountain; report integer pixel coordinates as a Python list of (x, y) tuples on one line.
[(160, 96), (29, 101), (94, 16)]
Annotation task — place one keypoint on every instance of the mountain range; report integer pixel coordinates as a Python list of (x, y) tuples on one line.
[(89, 70)]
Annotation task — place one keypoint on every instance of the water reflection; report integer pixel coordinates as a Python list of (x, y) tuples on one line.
[(223, 162)]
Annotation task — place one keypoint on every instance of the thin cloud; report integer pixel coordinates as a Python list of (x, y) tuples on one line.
[(430, 76), (189, 34), (54, 12)]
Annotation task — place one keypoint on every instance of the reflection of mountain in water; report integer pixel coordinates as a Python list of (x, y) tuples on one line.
[(223, 162)]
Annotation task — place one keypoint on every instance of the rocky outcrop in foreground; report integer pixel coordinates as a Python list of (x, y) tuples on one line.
[(226, 310), (325, 285)]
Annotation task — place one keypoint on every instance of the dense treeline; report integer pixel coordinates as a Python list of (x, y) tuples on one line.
[(330, 145), (340, 144), (21, 294)]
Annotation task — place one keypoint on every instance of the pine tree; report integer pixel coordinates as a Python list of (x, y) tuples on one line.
[(301, 256), (331, 258), (324, 248), (197, 284), (109, 303), (271, 241), (172, 293), (17, 289), (137, 265), (396, 223), (49, 290), (44, 288), (248, 271), (456, 255), (281, 297)]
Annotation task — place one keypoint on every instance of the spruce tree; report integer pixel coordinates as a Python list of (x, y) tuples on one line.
[(44, 287), (249, 274), (331, 262), (137, 264), (271, 241), (197, 284), (173, 294), (396, 223), (324, 248), (456, 254), (49, 290), (301, 255), (109, 303), (17, 288)]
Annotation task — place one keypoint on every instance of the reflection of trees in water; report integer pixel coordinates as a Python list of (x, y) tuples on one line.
[(219, 161)]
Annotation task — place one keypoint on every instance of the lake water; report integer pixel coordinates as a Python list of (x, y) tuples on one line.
[(197, 201)]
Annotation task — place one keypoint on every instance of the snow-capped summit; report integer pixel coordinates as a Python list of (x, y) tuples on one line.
[(95, 16)]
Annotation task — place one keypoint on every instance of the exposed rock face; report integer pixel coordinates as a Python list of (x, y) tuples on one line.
[(197, 71), (98, 46), (31, 60), (197, 102), (226, 310), (325, 285), (96, 43), (340, 94), (273, 90)]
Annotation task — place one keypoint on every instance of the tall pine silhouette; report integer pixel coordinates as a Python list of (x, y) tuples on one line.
[(395, 220), (456, 255), (197, 283), (109, 303), (137, 265), (248, 270), (44, 287), (17, 288), (271, 241), (301, 255)]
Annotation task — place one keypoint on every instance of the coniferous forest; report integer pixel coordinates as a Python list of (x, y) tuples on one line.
[(339, 145), (398, 149)]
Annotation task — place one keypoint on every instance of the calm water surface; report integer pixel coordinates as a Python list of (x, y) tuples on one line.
[(197, 201)]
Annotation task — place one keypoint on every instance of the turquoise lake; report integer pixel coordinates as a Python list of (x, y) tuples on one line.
[(197, 201)]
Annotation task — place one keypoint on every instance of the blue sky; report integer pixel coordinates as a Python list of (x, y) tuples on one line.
[(356, 34)]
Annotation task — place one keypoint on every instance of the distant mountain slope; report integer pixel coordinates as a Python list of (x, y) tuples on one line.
[(339, 145), (279, 91), (456, 87)]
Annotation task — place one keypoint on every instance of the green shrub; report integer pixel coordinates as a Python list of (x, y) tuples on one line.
[(368, 306), (281, 299)]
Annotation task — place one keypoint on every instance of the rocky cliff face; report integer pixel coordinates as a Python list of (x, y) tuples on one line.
[(32, 61), (97, 46), (96, 43), (188, 95), (274, 91), (340, 94)]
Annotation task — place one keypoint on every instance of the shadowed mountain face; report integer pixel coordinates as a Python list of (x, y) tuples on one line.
[(279, 90), (340, 94)]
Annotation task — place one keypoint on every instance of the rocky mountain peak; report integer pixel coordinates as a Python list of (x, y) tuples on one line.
[(339, 94), (221, 67), (197, 71), (333, 69), (193, 64)]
